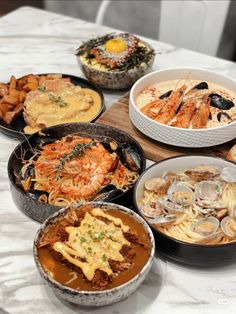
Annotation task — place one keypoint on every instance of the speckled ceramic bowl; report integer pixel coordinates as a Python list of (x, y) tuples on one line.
[(95, 298), (39, 210), (115, 79)]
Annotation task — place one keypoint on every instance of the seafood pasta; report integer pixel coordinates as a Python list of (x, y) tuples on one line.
[(76, 169), (195, 205), (188, 103)]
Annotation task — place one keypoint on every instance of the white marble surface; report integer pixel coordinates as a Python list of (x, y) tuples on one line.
[(38, 41)]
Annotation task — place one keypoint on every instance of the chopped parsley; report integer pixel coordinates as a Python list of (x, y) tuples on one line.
[(82, 240), (104, 257)]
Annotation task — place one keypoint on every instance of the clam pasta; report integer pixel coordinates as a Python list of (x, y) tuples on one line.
[(195, 205)]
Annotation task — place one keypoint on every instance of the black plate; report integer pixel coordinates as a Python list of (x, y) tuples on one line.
[(38, 210), (188, 253), (15, 129)]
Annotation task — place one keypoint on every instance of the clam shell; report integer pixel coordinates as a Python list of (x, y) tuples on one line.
[(228, 174), (206, 226), (157, 185), (181, 194), (208, 190), (228, 226)]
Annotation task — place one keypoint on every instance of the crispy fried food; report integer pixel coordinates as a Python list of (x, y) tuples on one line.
[(13, 94)]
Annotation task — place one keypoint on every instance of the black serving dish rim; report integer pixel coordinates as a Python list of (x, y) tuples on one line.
[(12, 132), (11, 176)]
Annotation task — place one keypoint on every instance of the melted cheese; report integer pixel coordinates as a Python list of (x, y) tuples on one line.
[(117, 221), (72, 104), (93, 243)]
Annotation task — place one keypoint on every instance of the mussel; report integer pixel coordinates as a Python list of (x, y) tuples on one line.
[(108, 193), (130, 158), (201, 85), (223, 117), (220, 102), (38, 195), (166, 94)]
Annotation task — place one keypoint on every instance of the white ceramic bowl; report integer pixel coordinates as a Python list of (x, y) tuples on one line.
[(173, 135)]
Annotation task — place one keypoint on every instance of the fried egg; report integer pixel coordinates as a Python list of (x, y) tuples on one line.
[(116, 50)]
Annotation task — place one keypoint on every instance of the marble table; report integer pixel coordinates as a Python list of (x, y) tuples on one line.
[(37, 41)]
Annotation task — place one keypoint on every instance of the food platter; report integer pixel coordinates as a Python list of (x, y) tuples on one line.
[(15, 129), (190, 248), (180, 136), (39, 210), (125, 281)]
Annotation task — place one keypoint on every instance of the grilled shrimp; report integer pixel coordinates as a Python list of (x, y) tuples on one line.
[(151, 109), (172, 103), (201, 116), (185, 114)]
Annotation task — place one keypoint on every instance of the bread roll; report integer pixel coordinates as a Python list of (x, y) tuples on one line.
[(232, 154)]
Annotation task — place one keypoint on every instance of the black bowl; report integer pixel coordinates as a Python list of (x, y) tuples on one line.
[(40, 211), (16, 128), (171, 248)]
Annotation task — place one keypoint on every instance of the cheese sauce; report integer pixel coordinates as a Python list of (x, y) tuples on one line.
[(72, 104), (96, 242)]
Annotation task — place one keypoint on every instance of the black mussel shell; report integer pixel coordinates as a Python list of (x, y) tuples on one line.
[(221, 115), (29, 172), (107, 193), (165, 95), (202, 85), (110, 145), (131, 159), (35, 194), (220, 102)]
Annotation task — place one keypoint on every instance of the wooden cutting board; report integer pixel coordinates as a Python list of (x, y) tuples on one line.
[(118, 116)]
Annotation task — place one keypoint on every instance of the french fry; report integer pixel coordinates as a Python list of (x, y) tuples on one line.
[(10, 100), (5, 107), (3, 89), (30, 86), (12, 85)]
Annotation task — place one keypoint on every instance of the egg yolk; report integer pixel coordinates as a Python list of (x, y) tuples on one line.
[(116, 45)]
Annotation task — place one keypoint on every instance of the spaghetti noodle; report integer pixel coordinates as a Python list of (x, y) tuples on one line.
[(76, 169), (198, 206)]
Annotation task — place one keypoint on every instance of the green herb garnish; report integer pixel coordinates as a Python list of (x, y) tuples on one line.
[(42, 89), (104, 258), (92, 43), (82, 240), (57, 99), (90, 250), (77, 151)]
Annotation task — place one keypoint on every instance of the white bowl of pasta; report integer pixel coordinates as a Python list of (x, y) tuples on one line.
[(185, 107), (189, 201)]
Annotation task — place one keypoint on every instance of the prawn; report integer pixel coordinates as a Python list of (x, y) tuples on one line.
[(152, 108), (168, 111), (201, 116), (185, 114)]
